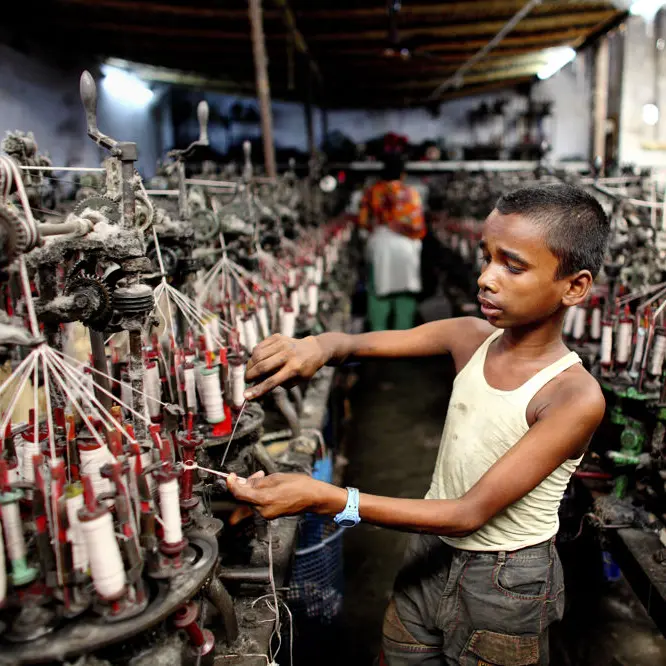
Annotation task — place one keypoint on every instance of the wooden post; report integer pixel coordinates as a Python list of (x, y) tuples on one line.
[(602, 64), (263, 86)]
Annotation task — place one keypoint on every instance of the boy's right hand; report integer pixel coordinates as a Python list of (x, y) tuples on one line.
[(279, 359)]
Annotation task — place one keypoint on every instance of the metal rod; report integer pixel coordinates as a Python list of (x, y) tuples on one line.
[(263, 86), (136, 371), (57, 168), (127, 173), (99, 363)]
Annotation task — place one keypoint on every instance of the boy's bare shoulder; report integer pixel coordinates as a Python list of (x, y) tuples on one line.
[(577, 391), (470, 334)]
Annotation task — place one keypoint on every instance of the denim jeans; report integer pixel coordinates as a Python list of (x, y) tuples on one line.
[(453, 606)]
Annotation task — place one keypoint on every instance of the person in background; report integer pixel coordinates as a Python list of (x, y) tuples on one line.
[(393, 214)]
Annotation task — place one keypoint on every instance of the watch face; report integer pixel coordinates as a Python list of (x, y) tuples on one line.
[(347, 523)]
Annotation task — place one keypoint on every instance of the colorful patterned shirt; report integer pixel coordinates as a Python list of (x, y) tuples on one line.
[(394, 204)]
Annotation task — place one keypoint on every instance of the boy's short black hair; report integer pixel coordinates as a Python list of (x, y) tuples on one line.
[(575, 225), (394, 167)]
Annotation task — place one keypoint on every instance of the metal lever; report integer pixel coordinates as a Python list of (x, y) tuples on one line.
[(88, 91), (202, 115)]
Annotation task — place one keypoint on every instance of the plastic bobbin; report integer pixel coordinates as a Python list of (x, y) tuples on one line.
[(186, 619)]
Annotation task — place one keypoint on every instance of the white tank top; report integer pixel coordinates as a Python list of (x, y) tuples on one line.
[(482, 424)]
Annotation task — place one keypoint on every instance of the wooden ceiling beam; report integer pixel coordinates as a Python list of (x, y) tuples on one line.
[(542, 40), (156, 8), (539, 24), (473, 8)]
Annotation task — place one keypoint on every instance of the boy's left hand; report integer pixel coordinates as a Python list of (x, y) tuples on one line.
[(287, 494)]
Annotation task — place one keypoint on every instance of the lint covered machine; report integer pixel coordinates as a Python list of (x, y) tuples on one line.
[(128, 315)]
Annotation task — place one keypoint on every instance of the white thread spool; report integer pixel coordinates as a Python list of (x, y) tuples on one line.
[(319, 270), (106, 562), (303, 294), (3, 571), (251, 337), (596, 324), (210, 330), (625, 330), (291, 277), (153, 388), (264, 327), (569, 319), (606, 343), (242, 338), (313, 299), (30, 449), (170, 511), (295, 301), (13, 527), (189, 380), (658, 354), (125, 390), (237, 384), (641, 335), (288, 322), (210, 393), (579, 323), (75, 536), (310, 272), (92, 460), (464, 249), (14, 474)]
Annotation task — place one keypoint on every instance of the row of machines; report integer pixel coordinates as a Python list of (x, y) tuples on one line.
[(128, 312)]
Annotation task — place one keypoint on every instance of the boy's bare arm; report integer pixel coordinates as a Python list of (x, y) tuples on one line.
[(542, 449), (278, 359)]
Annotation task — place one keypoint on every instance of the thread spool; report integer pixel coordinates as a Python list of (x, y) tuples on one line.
[(291, 277), (251, 337), (579, 323), (319, 270), (606, 344), (303, 294), (73, 504), (313, 299), (106, 563), (569, 320), (288, 322), (14, 539), (639, 349), (625, 330), (464, 249), (238, 384), (189, 380), (153, 389), (93, 457), (595, 328), (295, 301), (210, 393), (658, 352), (242, 337), (29, 449), (310, 272), (169, 492), (264, 327), (125, 389)]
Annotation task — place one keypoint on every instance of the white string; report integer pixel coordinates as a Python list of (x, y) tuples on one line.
[(30, 360), (74, 533), (237, 384), (14, 540), (233, 432), (210, 393), (170, 510)]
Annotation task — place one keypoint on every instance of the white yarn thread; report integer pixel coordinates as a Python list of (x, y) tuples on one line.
[(153, 389), (190, 389), (210, 393), (313, 299), (3, 571), (625, 330), (295, 301), (310, 272), (170, 511), (238, 384), (596, 324), (569, 319), (606, 344), (641, 335), (319, 270), (303, 294), (658, 354), (251, 337), (13, 527), (242, 338), (75, 534), (30, 449), (92, 460), (287, 323), (291, 277), (106, 562), (13, 475), (579, 323), (126, 390)]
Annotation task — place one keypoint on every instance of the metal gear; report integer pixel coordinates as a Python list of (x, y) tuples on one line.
[(105, 205), (99, 319), (13, 236), (206, 225)]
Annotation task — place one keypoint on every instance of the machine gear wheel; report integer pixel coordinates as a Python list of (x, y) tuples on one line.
[(105, 205), (205, 224), (13, 237), (99, 319)]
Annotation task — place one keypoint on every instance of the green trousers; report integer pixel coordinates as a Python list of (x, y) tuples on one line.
[(403, 307)]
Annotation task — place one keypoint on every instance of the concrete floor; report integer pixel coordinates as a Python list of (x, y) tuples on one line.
[(399, 409)]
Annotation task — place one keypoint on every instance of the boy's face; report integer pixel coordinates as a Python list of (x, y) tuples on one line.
[(517, 285)]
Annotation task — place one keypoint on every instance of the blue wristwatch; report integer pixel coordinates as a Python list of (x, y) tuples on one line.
[(349, 517)]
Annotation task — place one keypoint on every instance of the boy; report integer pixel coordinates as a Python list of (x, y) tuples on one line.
[(482, 581)]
